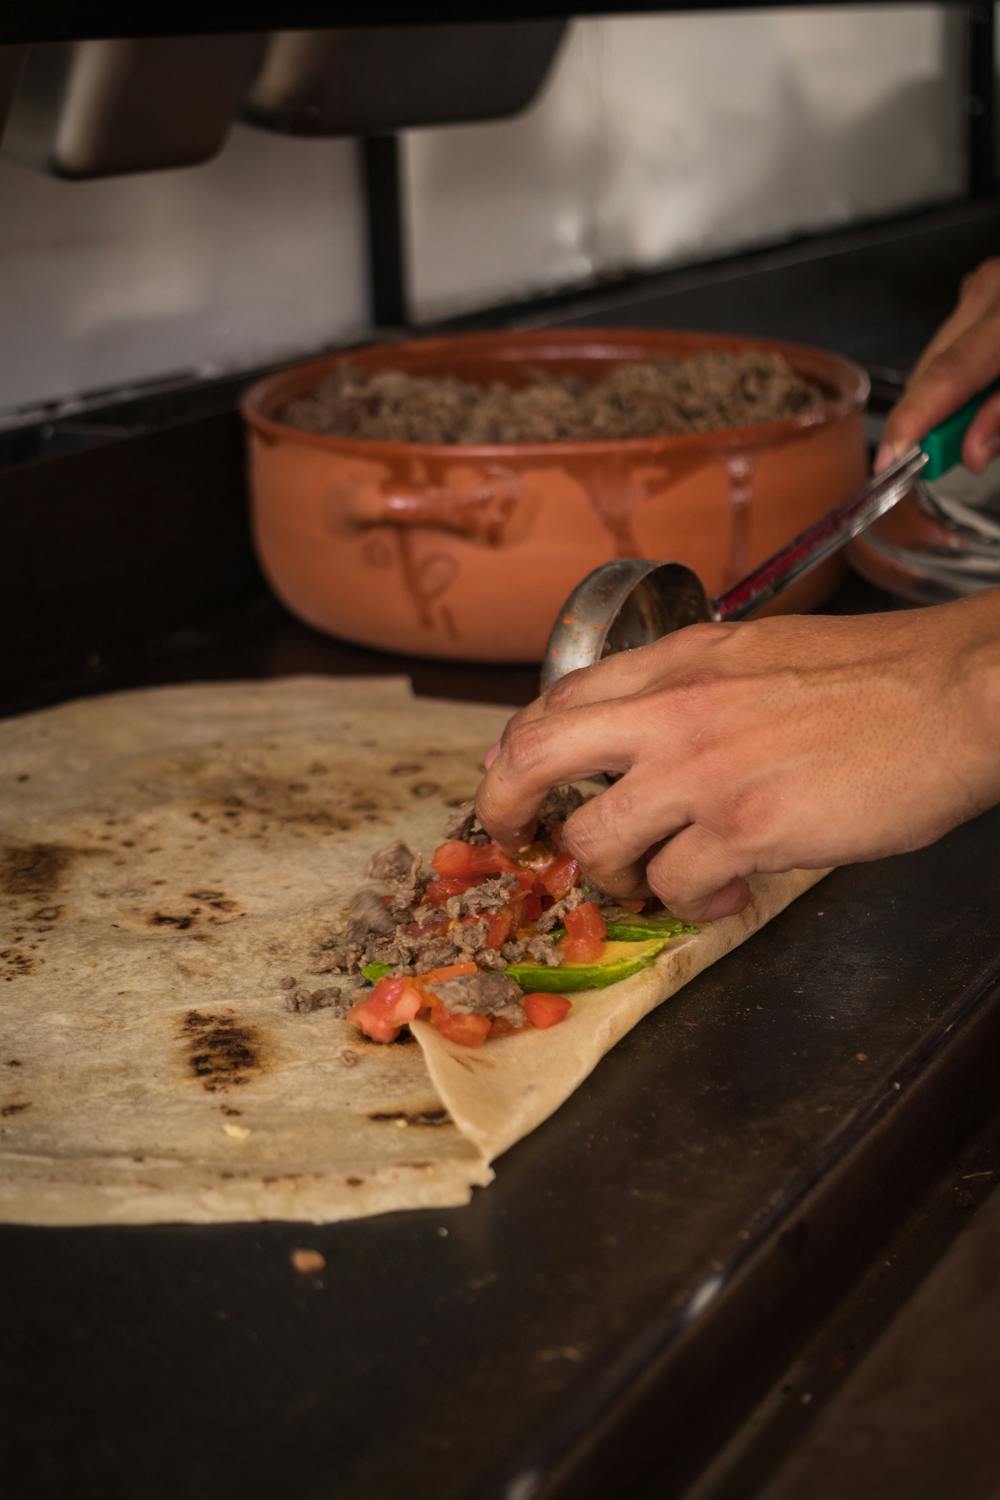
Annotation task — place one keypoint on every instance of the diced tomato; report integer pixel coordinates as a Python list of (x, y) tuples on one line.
[(561, 876), (544, 1011), (499, 926), (524, 907), (392, 1003), (438, 892), (500, 1026), (467, 1030), (458, 861), (586, 934)]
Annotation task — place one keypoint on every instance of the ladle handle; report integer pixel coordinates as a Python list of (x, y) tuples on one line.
[(820, 540), (938, 452)]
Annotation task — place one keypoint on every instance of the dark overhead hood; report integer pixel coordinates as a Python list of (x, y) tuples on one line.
[(64, 20), (95, 108)]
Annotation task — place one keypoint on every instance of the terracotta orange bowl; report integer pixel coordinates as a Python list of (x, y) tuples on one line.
[(468, 552)]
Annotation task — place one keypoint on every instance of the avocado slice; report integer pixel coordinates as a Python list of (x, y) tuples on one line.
[(630, 928), (618, 961), (632, 946)]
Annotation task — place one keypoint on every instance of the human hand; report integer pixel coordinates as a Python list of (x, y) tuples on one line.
[(961, 359), (799, 742)]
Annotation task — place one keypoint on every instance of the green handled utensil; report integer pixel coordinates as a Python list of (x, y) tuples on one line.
[(942, 447), (633, 601)]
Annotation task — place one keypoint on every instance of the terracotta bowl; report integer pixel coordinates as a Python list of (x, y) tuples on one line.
[(460, 551)]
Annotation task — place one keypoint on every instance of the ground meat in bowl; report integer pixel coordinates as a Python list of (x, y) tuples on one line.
[(704, 392)]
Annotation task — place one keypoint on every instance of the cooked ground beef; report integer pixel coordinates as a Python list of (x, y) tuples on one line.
[(393, 863), (483, 994), (464, 825), (391, 925), (367, 912), (336, 998), (406, 892), (702, 393), (540, 949), (557, 911), (558, 805), (470, 938), (490, 896)]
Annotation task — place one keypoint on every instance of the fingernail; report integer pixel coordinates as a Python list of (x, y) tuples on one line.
[(491, 756), (886, 455)]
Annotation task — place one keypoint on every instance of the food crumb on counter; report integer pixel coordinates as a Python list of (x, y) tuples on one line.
[(308, 1262)]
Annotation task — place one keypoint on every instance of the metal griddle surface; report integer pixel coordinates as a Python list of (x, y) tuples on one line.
[(470, 1353)]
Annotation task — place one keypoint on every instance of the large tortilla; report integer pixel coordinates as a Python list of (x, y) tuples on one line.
[(167, 857)]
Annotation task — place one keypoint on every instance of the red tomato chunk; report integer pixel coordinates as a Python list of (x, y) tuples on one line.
[(391, 1004), (544, 1011), (586, 934)]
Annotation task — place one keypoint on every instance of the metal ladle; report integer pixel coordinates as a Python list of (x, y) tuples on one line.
[(633, 601)]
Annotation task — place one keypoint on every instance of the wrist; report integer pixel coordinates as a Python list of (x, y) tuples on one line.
[(977, 661)]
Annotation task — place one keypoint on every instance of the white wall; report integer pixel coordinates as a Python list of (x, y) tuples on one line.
[(253, 256), (656, 138), (670, 137)]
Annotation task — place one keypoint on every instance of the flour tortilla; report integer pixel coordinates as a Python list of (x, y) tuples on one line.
[(166, 858)]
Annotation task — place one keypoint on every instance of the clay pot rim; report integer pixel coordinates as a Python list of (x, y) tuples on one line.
[(850, 383)]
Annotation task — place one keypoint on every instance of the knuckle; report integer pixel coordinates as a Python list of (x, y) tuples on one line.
[(563, 694), (749, 816), (703, 636), (525, 747), (586, 832), (946, 367), (695, 690), (665, 885)]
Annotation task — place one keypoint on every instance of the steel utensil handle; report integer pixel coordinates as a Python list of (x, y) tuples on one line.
[(821, 539), (938, 452)]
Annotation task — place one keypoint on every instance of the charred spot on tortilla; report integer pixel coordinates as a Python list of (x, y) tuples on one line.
[(222, 1051), (406, 768), (422, 789), (7, 1110), (17, 962), (433, 1117), (167, 919), (34, 869)]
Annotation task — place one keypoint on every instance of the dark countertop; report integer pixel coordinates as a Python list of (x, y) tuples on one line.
[(652, 1261), (643, 1267)]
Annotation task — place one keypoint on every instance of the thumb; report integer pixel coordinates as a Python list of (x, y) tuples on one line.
[(946, 383)]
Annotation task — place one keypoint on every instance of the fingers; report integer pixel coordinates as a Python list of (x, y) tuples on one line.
[(536, 756), (944, 384), (699, 877), (982, 441), (624, 674), (611, 835)]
